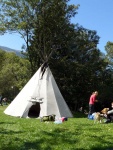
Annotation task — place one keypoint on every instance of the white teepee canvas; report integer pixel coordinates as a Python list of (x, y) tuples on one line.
[(38, 98)]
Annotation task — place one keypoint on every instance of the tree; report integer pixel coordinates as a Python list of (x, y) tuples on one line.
[(18, 16), (24, 16), (14, 73), (81, 70), (109, 52), (52, 34)]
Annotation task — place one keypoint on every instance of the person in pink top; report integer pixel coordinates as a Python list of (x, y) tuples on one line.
[(92, 102)]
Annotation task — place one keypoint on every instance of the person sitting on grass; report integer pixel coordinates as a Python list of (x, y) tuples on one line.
[(109, 114)]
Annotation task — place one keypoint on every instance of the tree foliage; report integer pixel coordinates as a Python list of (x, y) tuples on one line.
[(53, 30), (18, 16), (14, 73), (109, 51)]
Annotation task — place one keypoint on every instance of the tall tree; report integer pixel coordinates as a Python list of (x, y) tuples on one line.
[(82, 68), (53, 31)]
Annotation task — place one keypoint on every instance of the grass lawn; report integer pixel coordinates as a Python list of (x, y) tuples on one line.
[(77, 133)]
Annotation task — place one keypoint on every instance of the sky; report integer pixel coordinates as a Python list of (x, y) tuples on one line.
[(92, 14)]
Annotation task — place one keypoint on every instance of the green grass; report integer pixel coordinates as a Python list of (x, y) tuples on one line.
[(75, 134)]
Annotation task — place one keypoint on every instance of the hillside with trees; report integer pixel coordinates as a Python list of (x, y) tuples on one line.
[(17, 52)]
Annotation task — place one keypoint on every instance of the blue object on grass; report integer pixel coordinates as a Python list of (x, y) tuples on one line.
[(91, 117)]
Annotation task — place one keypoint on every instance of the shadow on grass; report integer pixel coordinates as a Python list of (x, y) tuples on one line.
[(60, 136), (57, 138), (31, 145), (9, 132), (24, 146), (7, 123), (100, 148)]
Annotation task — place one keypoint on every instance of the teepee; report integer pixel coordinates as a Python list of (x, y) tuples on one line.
[(39, 97)]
